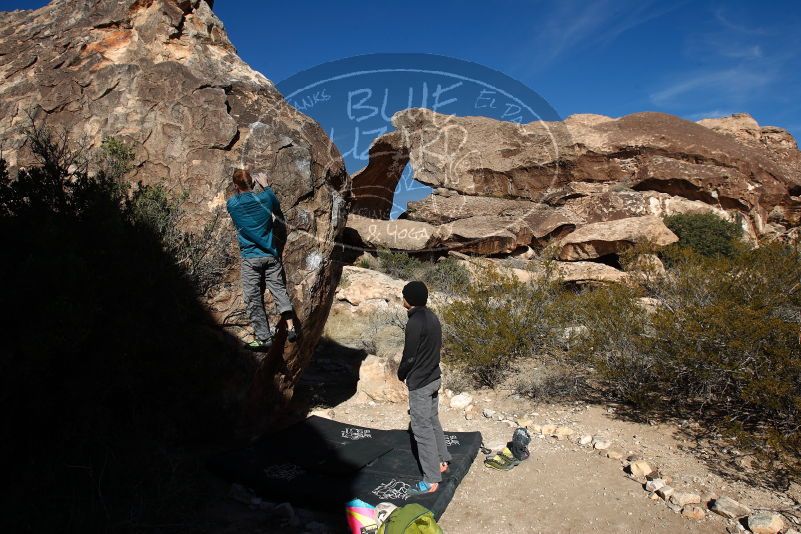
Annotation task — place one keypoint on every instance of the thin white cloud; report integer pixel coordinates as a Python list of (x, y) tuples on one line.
[(727, 23), (738, 83), (575, 25)]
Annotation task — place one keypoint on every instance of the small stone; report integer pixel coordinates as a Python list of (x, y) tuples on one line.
[(729, 508), (640, 469), (696, 513), (469, 408), (683, 498), (287, 514), (562, 432), (765, 523), (665, 492), (448, 393), (633, 457), (614, 455), (469, 416), (240, 493), (585, 440), (488, 413), (267, 506), (461, 401), (673, 506), (655, 484), (602, 445), (653, 474)]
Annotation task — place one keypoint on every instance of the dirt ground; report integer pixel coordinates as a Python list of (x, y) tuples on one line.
[(563, 487)]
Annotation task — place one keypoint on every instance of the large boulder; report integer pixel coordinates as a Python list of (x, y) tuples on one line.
[(601, 239), (374, 185), (396, 235), (162, 75), (745, 128), (529, 222), (729, 165)]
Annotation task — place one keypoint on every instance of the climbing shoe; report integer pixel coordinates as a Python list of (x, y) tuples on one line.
[(259, 345), (292, 335), (503, 461), (422, 487)]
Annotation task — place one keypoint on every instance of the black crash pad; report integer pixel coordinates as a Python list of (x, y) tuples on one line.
[(324, 464)]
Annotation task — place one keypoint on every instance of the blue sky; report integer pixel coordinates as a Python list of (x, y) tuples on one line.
[(693, 58)]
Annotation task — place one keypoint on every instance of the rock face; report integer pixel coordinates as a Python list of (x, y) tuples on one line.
[(528, 185), (604, 238), (162, 75), (399, 235), (729, 508)]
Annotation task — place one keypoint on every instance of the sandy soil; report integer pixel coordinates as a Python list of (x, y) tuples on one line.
[(565, 487)]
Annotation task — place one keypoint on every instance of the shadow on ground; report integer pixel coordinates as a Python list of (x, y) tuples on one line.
[(330, 379), (737, 458)]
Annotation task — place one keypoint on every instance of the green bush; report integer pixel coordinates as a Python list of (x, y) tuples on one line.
[(115, 158), (399, 265), (498, 321), (446, 275), (204, 256), (705, 233), (716, 338), (722, 339)]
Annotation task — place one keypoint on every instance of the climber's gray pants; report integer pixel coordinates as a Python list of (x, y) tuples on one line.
[(427, 430), (259, 274)]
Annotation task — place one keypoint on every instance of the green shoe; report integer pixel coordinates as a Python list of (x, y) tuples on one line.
[(503, 461), (259, 345)]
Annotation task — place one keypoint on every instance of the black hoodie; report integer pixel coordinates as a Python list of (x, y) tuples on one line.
[(420, 363)]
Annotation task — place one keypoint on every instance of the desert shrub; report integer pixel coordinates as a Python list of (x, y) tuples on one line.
[(705, 233), (115, 158), (366, 262), (446, 275), (716, 337), (609, 328), (722, 340), (498, 321), (204, 256), (399, 264)]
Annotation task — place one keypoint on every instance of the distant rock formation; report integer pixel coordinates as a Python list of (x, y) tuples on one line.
[(500, 186), (163, 75)]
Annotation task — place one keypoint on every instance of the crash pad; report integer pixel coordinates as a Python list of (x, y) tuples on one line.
[(323, 463)]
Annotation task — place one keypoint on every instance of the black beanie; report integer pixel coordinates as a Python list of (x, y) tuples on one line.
[(415, 293)]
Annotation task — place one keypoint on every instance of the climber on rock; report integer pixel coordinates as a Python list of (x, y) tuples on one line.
[(256, 217)]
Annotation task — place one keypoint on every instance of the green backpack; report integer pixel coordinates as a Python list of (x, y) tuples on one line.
[(410, 519)]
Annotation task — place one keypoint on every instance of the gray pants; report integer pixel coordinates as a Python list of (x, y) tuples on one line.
[(427, 430), (258, 274)]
